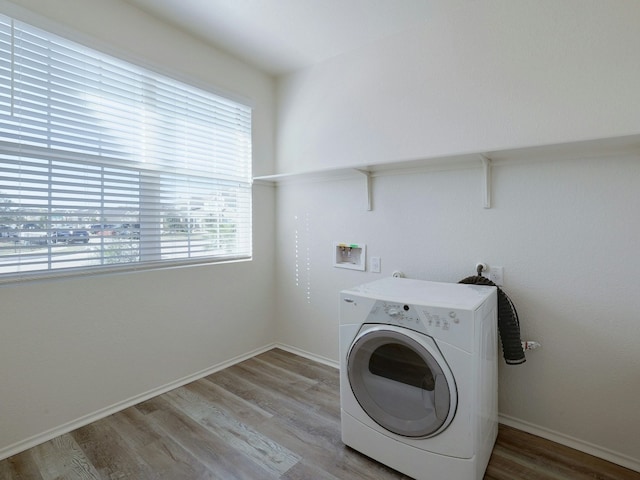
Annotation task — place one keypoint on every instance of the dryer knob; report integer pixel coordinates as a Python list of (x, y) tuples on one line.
[(394, 312)]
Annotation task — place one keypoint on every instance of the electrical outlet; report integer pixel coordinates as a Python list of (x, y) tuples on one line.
[(496, 275), (374, 264)]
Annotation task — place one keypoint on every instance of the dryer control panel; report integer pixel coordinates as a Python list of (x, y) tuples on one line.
[(455, 327), (399, 314), (452, 326)]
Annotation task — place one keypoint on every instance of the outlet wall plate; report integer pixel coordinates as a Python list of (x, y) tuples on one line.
[(374, 265), (496, 275)]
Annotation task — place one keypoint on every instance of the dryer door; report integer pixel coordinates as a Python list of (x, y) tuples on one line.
[(401, 381)]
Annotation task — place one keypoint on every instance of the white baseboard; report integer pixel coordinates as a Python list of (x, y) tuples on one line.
[(30, 442), (310, 356), (562, 439)]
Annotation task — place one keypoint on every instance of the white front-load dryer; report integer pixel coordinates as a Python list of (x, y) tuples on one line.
[(418, 376)]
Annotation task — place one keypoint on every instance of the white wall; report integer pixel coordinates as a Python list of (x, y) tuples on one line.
[(494, 74), (491, 75), (73, 348)]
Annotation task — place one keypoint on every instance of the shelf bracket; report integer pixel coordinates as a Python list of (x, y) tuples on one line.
[(486, 190), (368, 181)]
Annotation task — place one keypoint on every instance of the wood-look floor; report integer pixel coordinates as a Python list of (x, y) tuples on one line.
[(274, 416)]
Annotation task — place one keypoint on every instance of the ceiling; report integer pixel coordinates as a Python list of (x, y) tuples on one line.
[(281, 36)]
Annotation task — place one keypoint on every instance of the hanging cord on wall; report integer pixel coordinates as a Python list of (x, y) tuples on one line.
[(508, 321)]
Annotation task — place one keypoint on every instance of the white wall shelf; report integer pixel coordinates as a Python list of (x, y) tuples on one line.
[(605, 147)]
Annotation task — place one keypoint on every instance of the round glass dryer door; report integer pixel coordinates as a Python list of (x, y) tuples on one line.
[(398, 382)]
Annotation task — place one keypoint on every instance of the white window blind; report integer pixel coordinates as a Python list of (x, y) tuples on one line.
[(107, 165)]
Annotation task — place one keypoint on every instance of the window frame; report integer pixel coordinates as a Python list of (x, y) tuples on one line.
[(140, 265)]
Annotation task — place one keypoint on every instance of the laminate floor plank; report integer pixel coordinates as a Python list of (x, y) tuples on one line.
[(301, 401), (535, 458), (267, 379), (304, 471), (319, 444), (20, 467), (231, 402), (224, 462), (108, 453), (275, 416), (321, 396), (159, 453), (132, 426), (253, 387), (291, 362), (62, 457), (232, 430)]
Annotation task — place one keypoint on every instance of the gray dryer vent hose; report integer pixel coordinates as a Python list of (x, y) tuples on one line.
[(508, 323)]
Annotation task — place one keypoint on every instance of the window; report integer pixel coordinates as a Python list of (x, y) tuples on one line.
[(106, 165)]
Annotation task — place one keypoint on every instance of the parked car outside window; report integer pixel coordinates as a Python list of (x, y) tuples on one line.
[(69, 236), (7, 233), (33, 234)]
